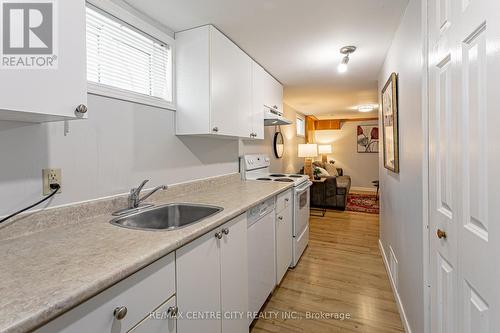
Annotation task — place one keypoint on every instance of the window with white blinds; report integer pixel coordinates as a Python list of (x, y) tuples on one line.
[(120, 56)]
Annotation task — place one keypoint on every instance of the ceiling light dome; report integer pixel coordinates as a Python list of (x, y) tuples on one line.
[(366, 108), (346, 50)]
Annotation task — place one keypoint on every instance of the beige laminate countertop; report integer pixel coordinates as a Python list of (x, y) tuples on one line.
[(46, 273)]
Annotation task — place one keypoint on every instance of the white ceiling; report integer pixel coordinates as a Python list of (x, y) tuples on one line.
[(298, 41)]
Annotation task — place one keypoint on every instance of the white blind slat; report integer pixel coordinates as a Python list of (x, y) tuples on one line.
[(120, 57)]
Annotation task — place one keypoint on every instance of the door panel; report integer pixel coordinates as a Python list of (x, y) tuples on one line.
[(476, 314), (231, 71), (445, 290), (198, 284), (234, 275), (283, 242)]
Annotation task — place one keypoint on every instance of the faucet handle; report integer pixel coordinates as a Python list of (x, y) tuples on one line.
[(139, 189)]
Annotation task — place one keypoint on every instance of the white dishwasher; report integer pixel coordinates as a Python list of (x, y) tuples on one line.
[(261, 254)]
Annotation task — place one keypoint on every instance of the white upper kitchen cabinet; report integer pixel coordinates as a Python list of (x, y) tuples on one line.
[(259, 78), (267, 92), (214, 85), (43, 68)]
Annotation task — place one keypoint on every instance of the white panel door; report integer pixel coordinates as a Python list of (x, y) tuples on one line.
[(231, 87), (198, 284), (464, 159), (234, 276)]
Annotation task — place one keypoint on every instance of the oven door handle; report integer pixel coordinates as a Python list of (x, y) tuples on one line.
[(304, 187)]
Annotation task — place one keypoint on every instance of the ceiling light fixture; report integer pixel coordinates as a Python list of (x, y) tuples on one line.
[(366, 108), (346, 50)]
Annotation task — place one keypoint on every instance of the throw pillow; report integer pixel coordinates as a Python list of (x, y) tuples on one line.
[(323, 172), (319, 164), (331, 169)]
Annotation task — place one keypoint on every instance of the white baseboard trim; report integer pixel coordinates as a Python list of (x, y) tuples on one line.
[(401, 308), (364, 189)]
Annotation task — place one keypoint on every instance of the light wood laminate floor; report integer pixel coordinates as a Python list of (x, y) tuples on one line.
[(340, 272)]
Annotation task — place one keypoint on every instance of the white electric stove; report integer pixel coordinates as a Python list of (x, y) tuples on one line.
[(257, 167)]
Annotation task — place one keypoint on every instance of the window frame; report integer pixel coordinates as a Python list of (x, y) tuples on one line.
[(133, 21), (297, 126)]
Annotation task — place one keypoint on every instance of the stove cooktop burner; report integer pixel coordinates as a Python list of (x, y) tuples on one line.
[(288, 180), (296, 176), (264, 179), (277, 175)]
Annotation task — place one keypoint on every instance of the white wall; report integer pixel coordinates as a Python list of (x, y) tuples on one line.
[(119, 145), (361, 167), (401, 201)]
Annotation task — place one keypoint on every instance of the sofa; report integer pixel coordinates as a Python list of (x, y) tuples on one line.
[(336, 190)]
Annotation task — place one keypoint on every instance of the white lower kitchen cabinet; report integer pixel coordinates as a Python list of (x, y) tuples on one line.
[(212, 281), (162, 320), (284, 238), (123, 306)]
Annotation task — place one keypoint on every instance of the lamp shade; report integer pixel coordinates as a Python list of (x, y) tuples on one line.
[(325, 149), (308, 150)]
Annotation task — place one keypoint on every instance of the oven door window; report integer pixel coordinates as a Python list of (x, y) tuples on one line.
[(303, 199)]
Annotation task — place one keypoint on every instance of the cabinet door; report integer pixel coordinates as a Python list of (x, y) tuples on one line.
[(231, 87), (259, 76), (49, 93), (234, 276), (198, 284), (159, 321), (283, 242), (276, 94)]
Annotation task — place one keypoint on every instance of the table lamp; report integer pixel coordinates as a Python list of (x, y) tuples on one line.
[(308, 151), (324, 150)]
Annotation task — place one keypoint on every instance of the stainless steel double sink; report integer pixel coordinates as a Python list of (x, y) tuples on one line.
[(166, 217)]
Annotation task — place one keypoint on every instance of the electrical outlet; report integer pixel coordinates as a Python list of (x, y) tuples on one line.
[(51, 176)]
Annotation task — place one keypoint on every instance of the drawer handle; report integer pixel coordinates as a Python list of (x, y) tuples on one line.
[(225, 231), (120, 312), (218, 235), (172, 312)]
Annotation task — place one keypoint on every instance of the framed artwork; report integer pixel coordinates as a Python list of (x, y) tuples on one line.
[(367, 138), (390, 123)]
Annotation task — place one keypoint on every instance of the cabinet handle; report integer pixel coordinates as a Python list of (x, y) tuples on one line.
[(120, 312), (225, 231), (441, 234), (275, 106), (82, 108), (172, 311), (280, 218), (287, 199), (218, 235), (215, 129)]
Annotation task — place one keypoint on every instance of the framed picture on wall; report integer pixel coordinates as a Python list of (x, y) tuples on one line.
[(367, 138), (390, 123)]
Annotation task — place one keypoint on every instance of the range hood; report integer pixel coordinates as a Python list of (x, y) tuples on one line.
[(273, 117)]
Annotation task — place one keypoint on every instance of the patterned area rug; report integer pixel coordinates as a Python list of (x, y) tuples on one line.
[(365, 203)]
